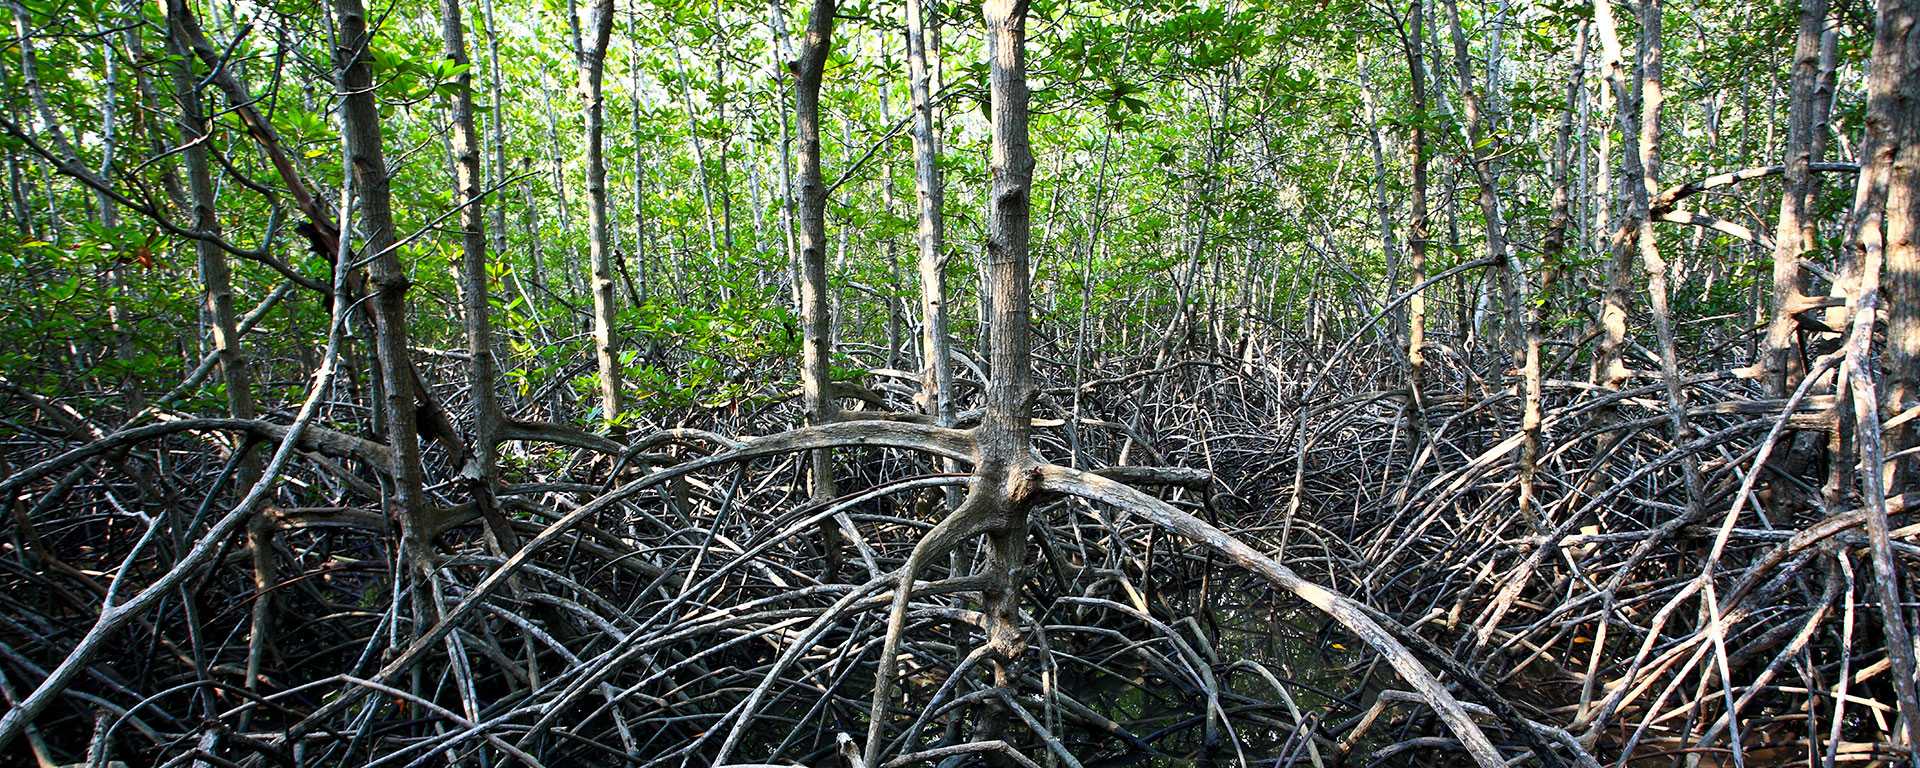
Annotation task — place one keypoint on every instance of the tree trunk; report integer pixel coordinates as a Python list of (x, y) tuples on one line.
[(592, 68), (360, 122), (1793, 231), (481, 469), (1482, 143), (557, 168), (1901, 282), (1552, 256), (1005, 434), (1617, 300), (1413, 41), (936, 371), (699, 151), (810, 202), (320, 230), (719, 100), (1888, 195), (217, 279), (891, 252), (1382, 207), (497, 143), (639, 182), (1651, 97), (782, 56)]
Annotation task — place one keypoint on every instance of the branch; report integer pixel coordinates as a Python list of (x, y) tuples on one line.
[(1672, 196), (319, 439), (1357, 618)]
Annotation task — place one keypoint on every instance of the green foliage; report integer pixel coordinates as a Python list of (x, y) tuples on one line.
[(1174, 138)]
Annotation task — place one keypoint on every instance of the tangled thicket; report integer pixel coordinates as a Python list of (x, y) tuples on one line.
[(682, 606)]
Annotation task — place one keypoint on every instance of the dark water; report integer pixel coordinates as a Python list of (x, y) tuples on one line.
[(1241, 634)]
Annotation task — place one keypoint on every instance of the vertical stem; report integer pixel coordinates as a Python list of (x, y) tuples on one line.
[(1888, 195), (1005, 431), (1793, 227), (1482, 141), (1413, 41), (481, 468), (639, 177), (360, 121), (592, 70), (217, 280), (1651, 97), (810, 195), (1553, 254)]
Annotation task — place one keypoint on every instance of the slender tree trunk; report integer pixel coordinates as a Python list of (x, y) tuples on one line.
[(782, 55), (1901, 282), (639, 181), (895, 351), (810, 201), (592, 70), (1796, 234), (699, 151), (1793, 231), (1096, 225), (936, 354), (557, 169), (537, 276), (1413, 41), (1005, 469), (17, 196), (497, 144), (109, 217), (320, 230), (234, 367), (1651, 97), (360, 121), (46, 123), (1552, 256), (1617, 300), (1382, 207), (481, 470), (1005, 432), (726, 136), (1884, 241), (1482, 145)]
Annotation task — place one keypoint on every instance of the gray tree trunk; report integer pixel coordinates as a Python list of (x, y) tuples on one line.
[(810, 202), (216, 277), (360, 122), (480, 472), (592, 70)]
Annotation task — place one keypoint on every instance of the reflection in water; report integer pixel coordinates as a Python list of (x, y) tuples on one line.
[(1218, 670)]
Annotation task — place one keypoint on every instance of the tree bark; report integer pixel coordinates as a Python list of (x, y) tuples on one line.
[(1006, 465), (1617, 300), (217, 279), (593, 61), (809, 194), (936, 366), (1882, 242), (1793, 231), (1413, 41), (497, 140), (1901, 282), (480, 473), (360, 122), (639, 182), (1481, 146), (1552, 256), (1651, 97), (320, 230)]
